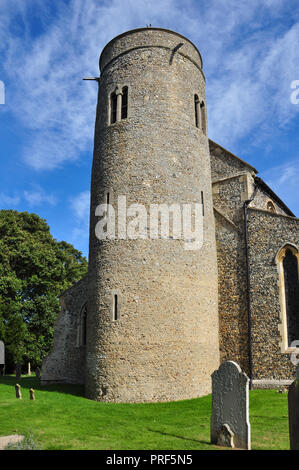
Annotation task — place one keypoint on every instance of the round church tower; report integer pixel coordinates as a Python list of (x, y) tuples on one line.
[(152, 324)]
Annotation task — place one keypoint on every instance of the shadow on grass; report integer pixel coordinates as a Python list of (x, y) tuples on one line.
[(179, 437), (27, 382), (269, 418)]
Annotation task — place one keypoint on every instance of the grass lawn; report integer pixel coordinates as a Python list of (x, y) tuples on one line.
[(61, 418)]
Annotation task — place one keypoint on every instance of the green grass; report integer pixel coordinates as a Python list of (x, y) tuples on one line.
[(61, 418)]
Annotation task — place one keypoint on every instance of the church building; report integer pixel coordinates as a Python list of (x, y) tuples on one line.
[(152, 321)]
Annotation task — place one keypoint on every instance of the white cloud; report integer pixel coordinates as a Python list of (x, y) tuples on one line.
[(80, 205), (250, 57), (39, 197), (284, 180), (35, 197), (9, 201)]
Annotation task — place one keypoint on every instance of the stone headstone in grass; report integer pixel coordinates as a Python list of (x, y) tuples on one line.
[(31, 394), (230, 425), (293, 405), (18, 391), (37, 372), (2, 353)]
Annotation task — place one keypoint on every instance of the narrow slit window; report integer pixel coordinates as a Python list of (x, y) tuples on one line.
[(84, 318), (203, 117), (124, 103), (202, 203), (82, 327), (113, 105), (115, 307), (196, 106), (107, 203)]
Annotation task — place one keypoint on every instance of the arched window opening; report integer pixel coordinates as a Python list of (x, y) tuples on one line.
[(113, 107), (83, 326), (270, 207), (203, 117), (196, 110), (290, 270), (124, 103)]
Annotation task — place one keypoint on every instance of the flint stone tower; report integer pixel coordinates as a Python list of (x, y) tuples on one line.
[(152, 318)]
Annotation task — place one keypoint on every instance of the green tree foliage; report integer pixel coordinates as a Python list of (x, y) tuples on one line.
[(34, 270)]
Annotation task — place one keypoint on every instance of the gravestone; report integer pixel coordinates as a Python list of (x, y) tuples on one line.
[(293, 405), (18, 391), (31, 394), (2, 353), (225, 437), (2, 358), (29, 369), (37, 372), (230, 407)]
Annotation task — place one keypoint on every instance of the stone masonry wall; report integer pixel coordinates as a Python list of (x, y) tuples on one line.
[(164, 345), (261, 199), (228, 197), (267, 235), (225, 164), (66, 362)]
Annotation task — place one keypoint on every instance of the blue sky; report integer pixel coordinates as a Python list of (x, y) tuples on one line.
[(250, 53)]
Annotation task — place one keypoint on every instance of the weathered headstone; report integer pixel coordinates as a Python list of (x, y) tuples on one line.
[(37, 372), (230, 407), (18, 371), (225, 437), (31, 394), (29, 369), (2, 358), (2, 353), (18, 391), (293, 405)]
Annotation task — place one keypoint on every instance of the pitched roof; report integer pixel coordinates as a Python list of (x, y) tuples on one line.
[(261, 183), (214, 144), (258, 181)]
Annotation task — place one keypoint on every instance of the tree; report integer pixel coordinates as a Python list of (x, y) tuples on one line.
[(34, 270)]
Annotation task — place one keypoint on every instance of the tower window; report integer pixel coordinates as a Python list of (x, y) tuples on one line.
[(202, 202), (113, 107), (203, 117), (107, 197), (118, 104), (196, 110), (124, 103), (115, 307)]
